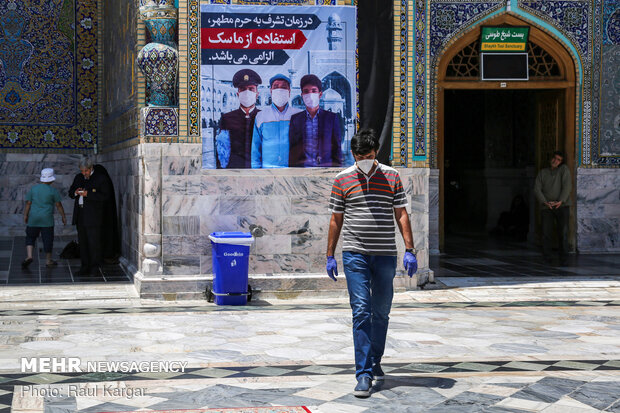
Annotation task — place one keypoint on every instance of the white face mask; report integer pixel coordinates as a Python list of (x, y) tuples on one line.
[(247, 98), (279, 97), (311, 100), (366, 165)]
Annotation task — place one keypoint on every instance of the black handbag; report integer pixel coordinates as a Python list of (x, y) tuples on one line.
[(71, 250)]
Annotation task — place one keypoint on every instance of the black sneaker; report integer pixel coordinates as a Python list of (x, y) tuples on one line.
[(363, 387), (26, 263), (377, 372)]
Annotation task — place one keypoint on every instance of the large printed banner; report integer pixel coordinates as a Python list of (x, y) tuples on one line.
[(278, 86)]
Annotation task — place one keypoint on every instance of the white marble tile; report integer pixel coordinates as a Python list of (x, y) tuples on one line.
[(273, 244)]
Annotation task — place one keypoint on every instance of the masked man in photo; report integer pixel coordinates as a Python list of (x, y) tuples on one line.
[(270, 143), (314, 134), (234, 142)]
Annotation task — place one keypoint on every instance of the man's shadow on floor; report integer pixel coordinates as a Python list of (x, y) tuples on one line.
[(392, 382)]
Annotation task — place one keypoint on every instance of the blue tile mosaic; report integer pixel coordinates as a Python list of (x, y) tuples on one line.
[(48, 85)]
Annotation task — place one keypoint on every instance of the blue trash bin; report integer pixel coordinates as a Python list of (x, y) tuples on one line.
[(231, 254)]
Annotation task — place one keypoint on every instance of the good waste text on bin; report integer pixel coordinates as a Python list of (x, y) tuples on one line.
[(233, 254)]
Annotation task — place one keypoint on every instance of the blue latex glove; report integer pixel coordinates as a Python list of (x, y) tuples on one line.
[(332, 268), (410, 263), (222, 146)]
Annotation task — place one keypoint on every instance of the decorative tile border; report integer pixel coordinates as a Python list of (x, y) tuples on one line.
[(443, 367), (419, 125), (258, 306), (193, 75), (400, 76)]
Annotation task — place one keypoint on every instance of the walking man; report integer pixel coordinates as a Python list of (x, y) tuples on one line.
[(552, 189), (365, 199), (39, 217)]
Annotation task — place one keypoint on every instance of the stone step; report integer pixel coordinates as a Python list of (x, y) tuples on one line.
[(281, 286)]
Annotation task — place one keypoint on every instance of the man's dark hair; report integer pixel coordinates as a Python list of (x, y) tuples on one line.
[(364, 141), (558, 153), (311, 80)]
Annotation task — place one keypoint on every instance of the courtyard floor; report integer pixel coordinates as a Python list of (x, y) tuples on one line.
[(472, 344)]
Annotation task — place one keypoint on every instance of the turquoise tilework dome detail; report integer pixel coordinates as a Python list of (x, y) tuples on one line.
[(162, 31)]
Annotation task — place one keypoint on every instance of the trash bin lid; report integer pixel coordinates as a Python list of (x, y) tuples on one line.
[(232, 237)]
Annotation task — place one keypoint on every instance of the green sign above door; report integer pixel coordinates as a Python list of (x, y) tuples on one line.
[(504, 39)]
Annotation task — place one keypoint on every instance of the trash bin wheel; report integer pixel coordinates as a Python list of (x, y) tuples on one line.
[(249, 293), (209, 294)]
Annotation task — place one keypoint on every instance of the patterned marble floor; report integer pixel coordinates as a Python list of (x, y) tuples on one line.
[(13, 252), (471, 348)]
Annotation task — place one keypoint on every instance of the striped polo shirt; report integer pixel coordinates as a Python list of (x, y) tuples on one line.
[(368, 206)]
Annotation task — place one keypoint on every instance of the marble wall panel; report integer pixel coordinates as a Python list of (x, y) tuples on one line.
[(418, 203), (419, 222), (611, 210), (181, 265), (206, 265), (279, 264), (273, 244), (598, 210), (195, 245), (181, 225), (286, 210), (181, 185), (308, 244), (186, 205), (273, 205), (300, 224), (433, 211), (209, 224), (591, 211), (182, 165), (172, 244), (309, 205), (237, 205)]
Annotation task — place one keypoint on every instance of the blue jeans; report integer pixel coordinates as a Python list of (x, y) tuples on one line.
[(370, 283)]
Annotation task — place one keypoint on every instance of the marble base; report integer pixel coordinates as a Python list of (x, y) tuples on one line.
[(283, 286)]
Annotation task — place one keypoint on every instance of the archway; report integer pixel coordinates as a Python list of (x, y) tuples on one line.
[(552, 117)]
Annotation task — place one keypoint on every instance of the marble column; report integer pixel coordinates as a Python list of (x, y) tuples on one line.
[(151, 240)]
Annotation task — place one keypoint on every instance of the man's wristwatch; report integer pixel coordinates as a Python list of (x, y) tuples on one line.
[(412, 250)]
